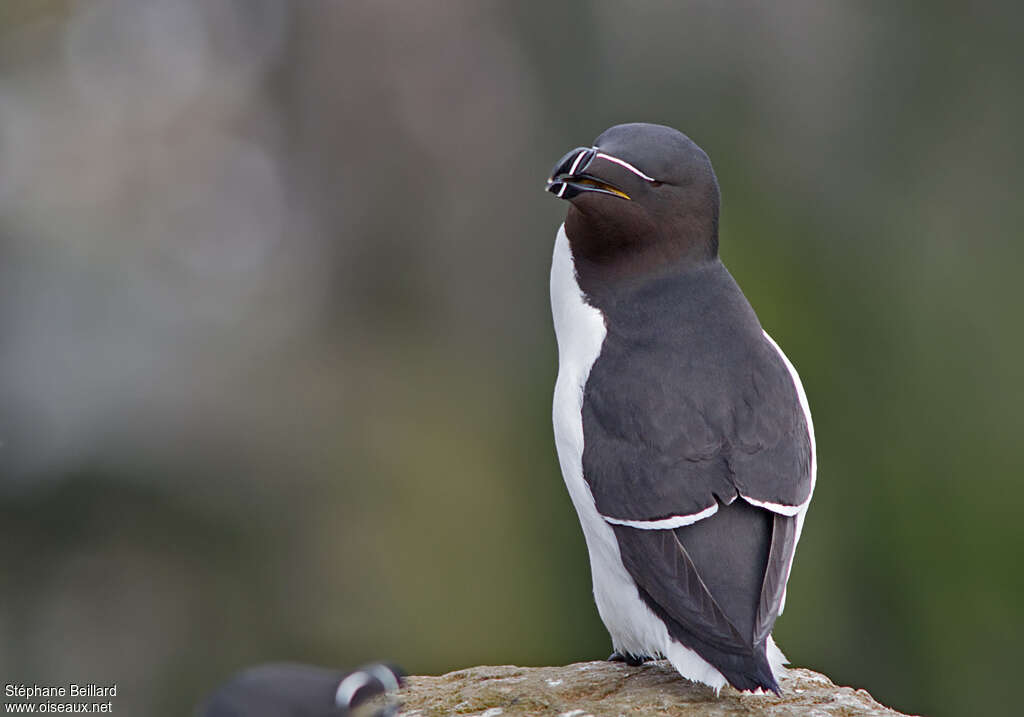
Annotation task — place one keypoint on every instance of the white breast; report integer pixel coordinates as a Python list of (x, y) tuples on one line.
[(580, 330)]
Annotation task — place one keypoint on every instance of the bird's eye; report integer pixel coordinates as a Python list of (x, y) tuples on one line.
[(655, 183)]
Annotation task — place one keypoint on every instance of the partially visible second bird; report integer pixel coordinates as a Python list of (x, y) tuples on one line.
[(294, 690)]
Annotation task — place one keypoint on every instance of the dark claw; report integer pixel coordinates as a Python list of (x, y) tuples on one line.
[(631, 660)]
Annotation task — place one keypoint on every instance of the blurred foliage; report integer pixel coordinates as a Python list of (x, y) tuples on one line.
[(276, 359)]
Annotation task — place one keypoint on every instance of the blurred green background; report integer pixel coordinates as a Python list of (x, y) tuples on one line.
[(276, 356)]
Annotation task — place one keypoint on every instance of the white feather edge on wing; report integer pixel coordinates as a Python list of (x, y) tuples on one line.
[(801, 510)]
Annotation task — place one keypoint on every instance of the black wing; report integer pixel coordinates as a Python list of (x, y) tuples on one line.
[(687, 408), (717, 585), (689, 401)]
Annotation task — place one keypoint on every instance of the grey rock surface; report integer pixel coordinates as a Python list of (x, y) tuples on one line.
[(602, 689)]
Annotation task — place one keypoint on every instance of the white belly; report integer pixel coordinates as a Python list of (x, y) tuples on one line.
[(634, 628)]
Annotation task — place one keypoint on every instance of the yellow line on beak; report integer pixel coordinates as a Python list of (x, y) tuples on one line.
[(603, 186)]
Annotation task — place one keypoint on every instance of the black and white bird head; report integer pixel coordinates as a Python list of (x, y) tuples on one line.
[(643, 196), (277, 690)]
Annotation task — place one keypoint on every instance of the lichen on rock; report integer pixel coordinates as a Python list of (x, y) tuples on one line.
[(601, 689)]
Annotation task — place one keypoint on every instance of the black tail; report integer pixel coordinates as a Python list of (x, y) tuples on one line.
[(755, 673), (744, 670)]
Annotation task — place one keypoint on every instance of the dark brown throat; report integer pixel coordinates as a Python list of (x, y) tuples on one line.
[(620, 251)]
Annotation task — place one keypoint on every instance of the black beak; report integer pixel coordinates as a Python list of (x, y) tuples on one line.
[(569, 178)]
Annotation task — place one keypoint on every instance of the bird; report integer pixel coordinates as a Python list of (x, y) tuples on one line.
[(296, 690), (683, 431)]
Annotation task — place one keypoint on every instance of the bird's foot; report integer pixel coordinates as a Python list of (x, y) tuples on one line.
[(631, 660)]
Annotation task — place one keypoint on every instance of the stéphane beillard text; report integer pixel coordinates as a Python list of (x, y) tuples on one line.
[(71, 690)]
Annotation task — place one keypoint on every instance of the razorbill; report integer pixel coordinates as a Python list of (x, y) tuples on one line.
[(294, 690), (683, 431)]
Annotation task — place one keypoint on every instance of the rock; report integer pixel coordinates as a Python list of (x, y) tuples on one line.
[(612, 688)]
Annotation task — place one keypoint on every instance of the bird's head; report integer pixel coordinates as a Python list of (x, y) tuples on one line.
[(642, 197)]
